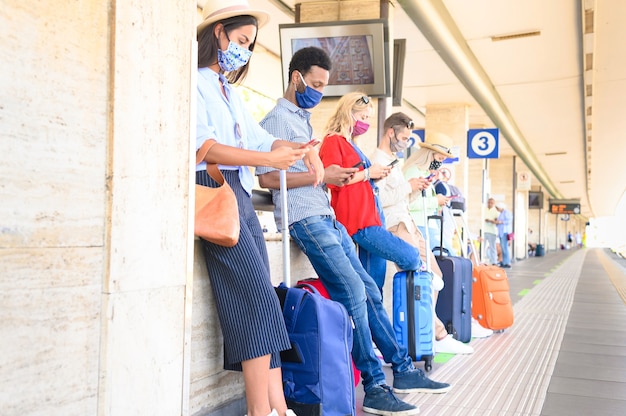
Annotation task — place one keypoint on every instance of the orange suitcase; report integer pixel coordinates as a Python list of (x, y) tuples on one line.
[(491, 299)]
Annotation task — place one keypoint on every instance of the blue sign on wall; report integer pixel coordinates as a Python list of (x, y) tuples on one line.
[(419, 133), (483, 144)]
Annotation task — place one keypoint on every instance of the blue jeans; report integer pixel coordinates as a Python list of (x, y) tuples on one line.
[(504, 246), (377, 245), (492, 251), (332, 253)]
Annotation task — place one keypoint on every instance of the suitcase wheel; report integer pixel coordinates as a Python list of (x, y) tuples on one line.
[(428, 365)]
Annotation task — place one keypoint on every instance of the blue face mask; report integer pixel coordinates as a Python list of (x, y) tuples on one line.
[(233, 58), (309, 98)]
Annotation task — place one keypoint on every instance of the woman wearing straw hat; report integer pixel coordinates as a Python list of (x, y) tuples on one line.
[(248, 308), (425, 163)]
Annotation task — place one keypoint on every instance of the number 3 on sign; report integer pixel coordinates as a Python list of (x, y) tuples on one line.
[(482, 144)]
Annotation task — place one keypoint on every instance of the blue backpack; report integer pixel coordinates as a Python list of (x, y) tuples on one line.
[(317, 370)]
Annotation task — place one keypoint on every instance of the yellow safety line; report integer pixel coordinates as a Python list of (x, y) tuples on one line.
[(616, 275)]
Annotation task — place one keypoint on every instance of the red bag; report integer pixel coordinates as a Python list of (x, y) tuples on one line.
[(510, 236)]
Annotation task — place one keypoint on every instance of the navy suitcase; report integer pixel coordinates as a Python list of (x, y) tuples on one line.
[(454, 304), (317, 370), (413, 314)]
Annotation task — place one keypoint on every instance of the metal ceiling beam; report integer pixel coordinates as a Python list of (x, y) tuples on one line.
[(434, 21)]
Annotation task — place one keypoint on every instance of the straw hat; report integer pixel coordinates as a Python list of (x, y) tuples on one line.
[(438, 142), (215, 10)]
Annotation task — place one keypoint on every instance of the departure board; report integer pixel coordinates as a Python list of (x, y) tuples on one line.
[(564, 208)]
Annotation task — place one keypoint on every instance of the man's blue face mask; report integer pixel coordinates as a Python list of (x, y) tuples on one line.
[(309, 98)]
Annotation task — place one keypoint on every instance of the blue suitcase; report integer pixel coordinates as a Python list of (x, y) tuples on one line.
[(413, 309), (317, 370), (454, 304), (413, 314)]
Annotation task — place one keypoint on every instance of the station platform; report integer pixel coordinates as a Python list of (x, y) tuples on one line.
[(565, 354)]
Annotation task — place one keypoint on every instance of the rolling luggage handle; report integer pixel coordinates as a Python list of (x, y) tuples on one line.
[(427, 236), (285, 228), (428, 362), (474, 256), (442, 249)]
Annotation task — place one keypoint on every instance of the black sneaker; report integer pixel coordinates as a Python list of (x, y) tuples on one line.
[(380, 400), (415, 381)]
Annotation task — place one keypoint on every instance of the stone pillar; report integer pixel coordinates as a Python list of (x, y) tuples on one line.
[(148, 234), (452, 120), (94, 224)]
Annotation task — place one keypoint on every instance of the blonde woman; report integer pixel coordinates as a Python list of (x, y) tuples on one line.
[(356, 204)]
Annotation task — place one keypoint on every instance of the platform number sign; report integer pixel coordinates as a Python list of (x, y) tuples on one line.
[(483, 144)]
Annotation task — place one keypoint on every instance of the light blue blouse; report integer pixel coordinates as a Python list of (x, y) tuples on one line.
[(227, 121)]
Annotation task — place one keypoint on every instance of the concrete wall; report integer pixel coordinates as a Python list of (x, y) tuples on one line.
[(94, 229)]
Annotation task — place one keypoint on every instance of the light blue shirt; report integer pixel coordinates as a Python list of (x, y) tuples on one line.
[(292, 123), (507, 222), (227, 121)]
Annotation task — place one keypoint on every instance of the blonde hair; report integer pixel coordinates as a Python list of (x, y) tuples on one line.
[(421, 158), (341, 121)]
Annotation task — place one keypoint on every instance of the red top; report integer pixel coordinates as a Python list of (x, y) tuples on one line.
[(354, 204)]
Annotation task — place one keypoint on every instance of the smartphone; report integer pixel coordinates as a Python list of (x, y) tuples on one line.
[(313, 142), (430, 176), (393, 163), (358, 165)]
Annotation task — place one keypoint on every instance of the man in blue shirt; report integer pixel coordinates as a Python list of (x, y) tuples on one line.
[(505, 227), (331, 251)]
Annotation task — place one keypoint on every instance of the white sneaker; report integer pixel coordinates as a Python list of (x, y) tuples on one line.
[(450, 345), (437, 283), (479, 331), (290, 413)]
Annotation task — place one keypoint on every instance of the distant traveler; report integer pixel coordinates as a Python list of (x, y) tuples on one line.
[(505, 227)]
